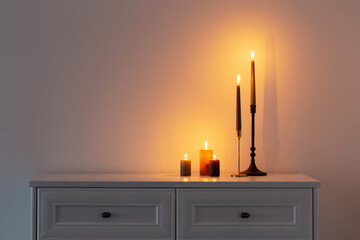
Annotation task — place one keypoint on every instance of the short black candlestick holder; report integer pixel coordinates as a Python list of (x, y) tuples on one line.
[(253, 170), (238, 174)]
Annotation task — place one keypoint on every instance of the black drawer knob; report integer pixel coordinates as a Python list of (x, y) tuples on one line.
[(106, 214), (245, 215)]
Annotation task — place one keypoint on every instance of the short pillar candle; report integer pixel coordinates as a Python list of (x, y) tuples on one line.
[(214, 167), (205, 156), (185, 167)]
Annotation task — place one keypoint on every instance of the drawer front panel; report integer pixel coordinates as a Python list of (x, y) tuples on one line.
[(231, 214), (244, 213), (127, 214), (88, 213)]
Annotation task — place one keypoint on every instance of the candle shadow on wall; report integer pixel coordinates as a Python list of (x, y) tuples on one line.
[(270, 122)]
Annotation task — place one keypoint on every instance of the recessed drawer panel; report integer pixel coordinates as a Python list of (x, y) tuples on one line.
[(239, 214), (89, 213), (244, 213), (126, 214)]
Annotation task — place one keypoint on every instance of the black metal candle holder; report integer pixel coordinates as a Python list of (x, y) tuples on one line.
[(238, 174), (252, 169)]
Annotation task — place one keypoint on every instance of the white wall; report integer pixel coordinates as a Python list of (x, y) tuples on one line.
[(130, 86)]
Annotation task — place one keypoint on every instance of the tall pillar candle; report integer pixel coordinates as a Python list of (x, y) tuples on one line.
[(253, 97), (205, 156)]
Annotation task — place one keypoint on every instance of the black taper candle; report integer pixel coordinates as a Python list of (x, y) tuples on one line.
[(253, 94), (238, 108)]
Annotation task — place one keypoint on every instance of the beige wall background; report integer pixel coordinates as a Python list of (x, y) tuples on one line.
[(130, 86)]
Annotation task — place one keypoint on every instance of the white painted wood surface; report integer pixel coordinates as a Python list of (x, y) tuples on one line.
[(33, 225), (281, 206), (168, 180)]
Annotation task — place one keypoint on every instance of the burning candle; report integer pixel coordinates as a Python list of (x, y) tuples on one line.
[(238, 108), (253, 97), (185, 167), (214, 167), (205, 156)]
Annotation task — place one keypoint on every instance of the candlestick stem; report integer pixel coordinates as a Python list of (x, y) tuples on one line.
[(238, 155), (238, 174), (252, 169)]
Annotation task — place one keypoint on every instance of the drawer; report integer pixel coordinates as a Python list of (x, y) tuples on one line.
[(255, 213), (91, 213)]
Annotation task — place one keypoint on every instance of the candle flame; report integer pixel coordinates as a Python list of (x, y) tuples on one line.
[(214, 157), (185, 180), (214, 180), (252, 55), (238, 78), (206, 145), (185, 156)]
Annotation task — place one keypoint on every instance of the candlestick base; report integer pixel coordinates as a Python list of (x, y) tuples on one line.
[(253, 170)]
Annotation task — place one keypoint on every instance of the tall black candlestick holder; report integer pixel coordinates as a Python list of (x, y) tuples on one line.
[(252, 169)]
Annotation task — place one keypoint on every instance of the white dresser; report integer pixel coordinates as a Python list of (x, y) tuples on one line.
[(158, 206)]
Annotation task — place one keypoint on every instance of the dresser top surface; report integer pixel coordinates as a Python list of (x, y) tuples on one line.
[(168, 180)]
